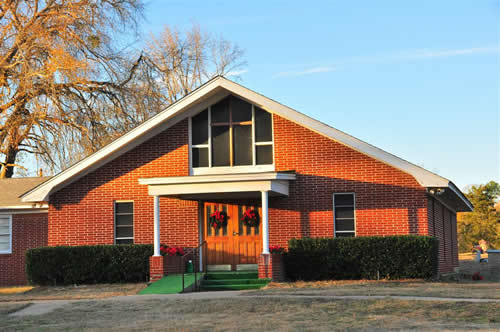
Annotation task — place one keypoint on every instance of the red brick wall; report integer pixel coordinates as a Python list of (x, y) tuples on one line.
[(388, 201), (82, 213), (443, 225), (28, 231)]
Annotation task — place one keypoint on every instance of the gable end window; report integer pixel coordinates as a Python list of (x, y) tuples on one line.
[(124, 222), (231, 133), (5, 234), (344, 215)]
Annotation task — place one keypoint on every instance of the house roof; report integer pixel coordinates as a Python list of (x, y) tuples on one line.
[(11, 190), (207, 94)]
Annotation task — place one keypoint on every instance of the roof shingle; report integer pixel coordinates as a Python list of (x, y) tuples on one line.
[(11, 189)]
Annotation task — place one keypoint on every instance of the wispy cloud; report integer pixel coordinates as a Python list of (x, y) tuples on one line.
[(402, 56), (309, 71), (427, 54), (236, 73)]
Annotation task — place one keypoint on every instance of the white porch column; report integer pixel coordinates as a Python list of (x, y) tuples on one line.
[(265, 222), (156, 219)]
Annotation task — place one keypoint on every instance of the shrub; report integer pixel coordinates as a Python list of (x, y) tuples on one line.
[(65, 265), (391, 257)]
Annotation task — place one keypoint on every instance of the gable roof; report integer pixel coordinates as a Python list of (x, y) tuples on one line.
[(11, 190), (211, 92)]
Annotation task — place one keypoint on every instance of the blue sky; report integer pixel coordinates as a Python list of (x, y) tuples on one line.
[(419, 79)]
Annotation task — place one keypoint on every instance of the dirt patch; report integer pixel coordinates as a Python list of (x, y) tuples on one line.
[(74, 292)]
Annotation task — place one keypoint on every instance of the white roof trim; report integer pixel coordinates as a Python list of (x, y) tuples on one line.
[(175, 113), (217, 178), (24, 207)]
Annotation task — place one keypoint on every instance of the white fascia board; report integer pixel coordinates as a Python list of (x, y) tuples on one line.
[(424, 177), (457, 192), (4, 211), (172, 115), (24, 207), (217, 178), (209, 188), (125, 143)]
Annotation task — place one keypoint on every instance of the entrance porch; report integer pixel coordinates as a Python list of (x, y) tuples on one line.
[(231, 244)]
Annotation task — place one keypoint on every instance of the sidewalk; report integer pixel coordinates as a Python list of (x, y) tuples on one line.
[(46, 306)]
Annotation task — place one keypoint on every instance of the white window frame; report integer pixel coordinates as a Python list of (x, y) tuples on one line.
[(334, 219), (114, 221), (8, 251), (229, 169)]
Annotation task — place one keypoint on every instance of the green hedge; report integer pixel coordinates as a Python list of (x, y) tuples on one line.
[(391, 257), (65, 265)]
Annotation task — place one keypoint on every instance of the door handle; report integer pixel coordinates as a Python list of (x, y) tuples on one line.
[(234, 233)]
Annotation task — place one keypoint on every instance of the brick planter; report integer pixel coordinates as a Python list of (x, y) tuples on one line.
[(272, 266)]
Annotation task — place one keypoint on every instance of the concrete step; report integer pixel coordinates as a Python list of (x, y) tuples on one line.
[(231, 275), (235, 281), (230, 287)]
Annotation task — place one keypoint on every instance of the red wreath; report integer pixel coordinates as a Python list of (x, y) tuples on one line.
[(218, 219), (250, 218)]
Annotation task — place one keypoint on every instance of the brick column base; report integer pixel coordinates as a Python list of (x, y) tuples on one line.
[(156, 268), (272, 266)]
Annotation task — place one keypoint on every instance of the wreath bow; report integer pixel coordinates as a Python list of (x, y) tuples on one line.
[(218, 219), (250, 218)]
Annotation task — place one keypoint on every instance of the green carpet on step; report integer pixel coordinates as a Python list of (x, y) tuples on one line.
[(171, 284)]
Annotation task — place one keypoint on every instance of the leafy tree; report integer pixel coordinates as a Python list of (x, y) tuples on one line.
[(484, 221)]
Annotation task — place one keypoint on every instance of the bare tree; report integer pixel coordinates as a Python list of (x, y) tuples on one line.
[(57, 65), (67, 88), (183, 61)]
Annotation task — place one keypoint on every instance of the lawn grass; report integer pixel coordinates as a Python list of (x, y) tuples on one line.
[(472, 289), (171, 284), (260, 314), (70, 292)]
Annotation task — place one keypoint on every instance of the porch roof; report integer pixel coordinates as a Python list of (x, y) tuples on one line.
[(220, 186)]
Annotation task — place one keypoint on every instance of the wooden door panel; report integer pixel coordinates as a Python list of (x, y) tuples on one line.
[(248, 242), (235, 243)]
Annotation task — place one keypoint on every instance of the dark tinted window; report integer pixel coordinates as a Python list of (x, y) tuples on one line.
[(344, 225), (242, 145), (124, 241), (241, 110), (344, 212), (344, 234), (344, 199), (200, 128), (344, 215), (124, 207), (263, 126), (200, 157), (264, 154), (124, 222), (220, 111), (220, 145), (124, 232)]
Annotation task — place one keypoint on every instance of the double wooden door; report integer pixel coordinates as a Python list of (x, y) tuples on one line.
[(233, 243)]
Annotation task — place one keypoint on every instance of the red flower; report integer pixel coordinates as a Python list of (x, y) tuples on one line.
[(477, 276)]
